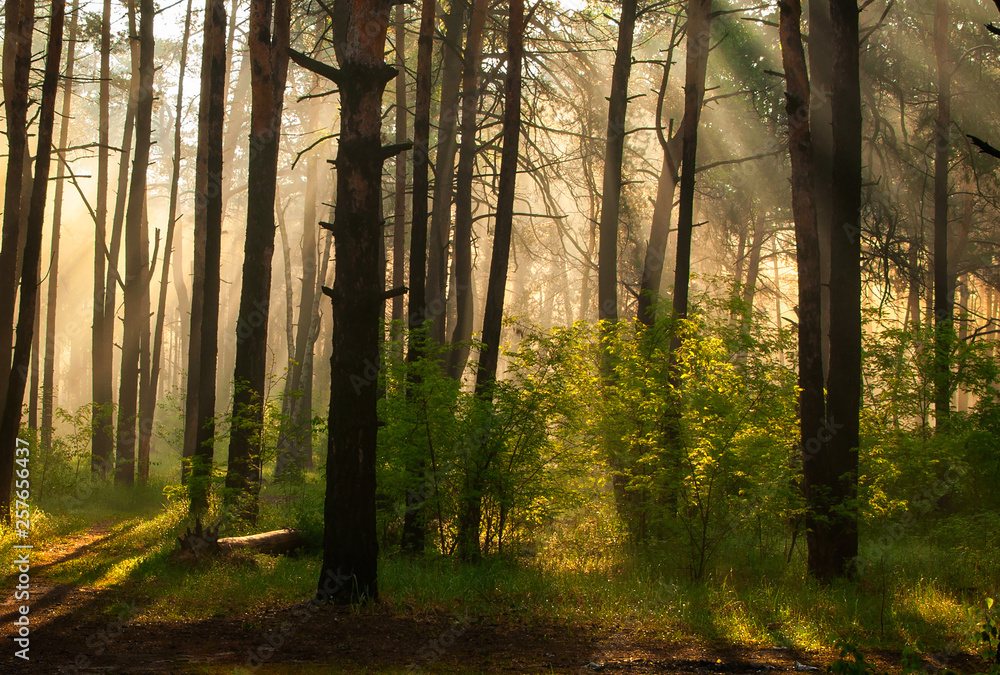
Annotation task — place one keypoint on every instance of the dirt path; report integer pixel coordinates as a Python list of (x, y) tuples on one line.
[(68, 635)]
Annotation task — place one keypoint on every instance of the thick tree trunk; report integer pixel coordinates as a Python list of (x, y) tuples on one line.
[(944, 292), (11, 420), (444, 170), (135, 271), (48, 368), (807, 254), (101, 355), (471, 502), (462, 267), (350, 540), (19, 22), (833, 541), (607, 273), (199, 427), (268, 72), (821, 131), (699, 26)]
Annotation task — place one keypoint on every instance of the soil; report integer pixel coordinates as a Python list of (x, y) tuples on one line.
[(67, 638)]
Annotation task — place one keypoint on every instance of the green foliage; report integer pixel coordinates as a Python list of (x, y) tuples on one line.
[(705, 445), (436, 434), (856, 666), (990, 634)]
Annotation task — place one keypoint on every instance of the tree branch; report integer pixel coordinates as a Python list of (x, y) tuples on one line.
[(983, 146), (318, 67)]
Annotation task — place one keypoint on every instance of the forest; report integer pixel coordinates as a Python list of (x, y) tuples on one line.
[(461, 336)]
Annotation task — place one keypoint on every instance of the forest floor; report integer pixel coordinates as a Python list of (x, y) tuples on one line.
[(83, 628)]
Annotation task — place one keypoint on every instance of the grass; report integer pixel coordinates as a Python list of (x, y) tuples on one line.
[(927, 586)]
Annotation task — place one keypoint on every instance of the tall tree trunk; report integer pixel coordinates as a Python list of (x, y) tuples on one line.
[(48, 374), (199, 427), (699, 26), (444, 170), (777, 299), (962, 402), (350, 541), (34, 369), (944, 292), (471, 507), (269, 58), (811, 397), (146, 397), (413, 519), (101, 349), (607, 274), (11, 420), (821, 131), (113, 280), (462, 266), (135, 272), (148, 405), (833, 541), (399, 190), (295, 436), (753, 265), (914, 282), (19, 22), (659, 231), (304, 411)]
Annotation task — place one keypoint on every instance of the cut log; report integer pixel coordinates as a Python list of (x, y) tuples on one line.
[(206, 541), (275, 542)]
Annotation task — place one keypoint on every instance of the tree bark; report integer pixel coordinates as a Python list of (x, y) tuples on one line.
[(944, 292), (147, 402), (135, 271), (399, 190), (101, 355), (699, 26), (269, 67), (48, 367), (413, 526), (753, 265), (833, 541), (350, 541), (199, 427), (807, 254), (471, 502), (462, 266), (607, 274), (292, 441), (659, 231), (821, 132), (437, 256), (19, 22), (11, 419)]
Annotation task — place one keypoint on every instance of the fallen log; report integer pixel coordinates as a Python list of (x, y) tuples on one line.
[(206, 541)]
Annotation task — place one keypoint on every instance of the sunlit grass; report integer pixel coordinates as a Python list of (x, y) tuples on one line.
[(914, 589)]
